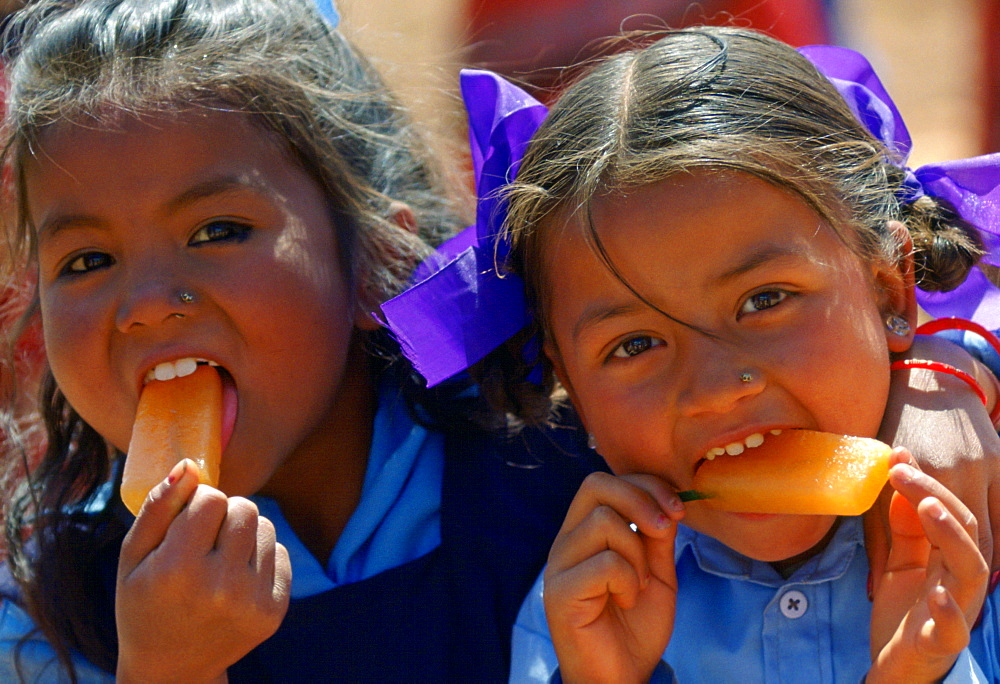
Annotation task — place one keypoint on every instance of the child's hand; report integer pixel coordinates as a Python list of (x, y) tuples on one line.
[(933, 585), (609, 592), (201, 582)]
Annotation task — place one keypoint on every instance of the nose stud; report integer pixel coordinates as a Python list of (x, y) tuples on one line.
[(185, 296), (745, 377)]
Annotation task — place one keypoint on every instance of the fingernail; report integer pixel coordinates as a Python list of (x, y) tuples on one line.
[(177, 472), (937, 510), (675, 504), (905, 472), (662, 522), (940, 596)]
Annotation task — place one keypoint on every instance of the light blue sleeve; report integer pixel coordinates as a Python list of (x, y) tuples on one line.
[(965, 671), (533, 658), (34, 660)]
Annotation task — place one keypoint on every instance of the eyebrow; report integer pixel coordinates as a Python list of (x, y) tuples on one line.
[(204, 190), (215, 187), (600, 312), (767, 254)]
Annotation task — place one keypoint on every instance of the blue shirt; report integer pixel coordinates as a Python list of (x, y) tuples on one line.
[(397, 520), (738, 620)]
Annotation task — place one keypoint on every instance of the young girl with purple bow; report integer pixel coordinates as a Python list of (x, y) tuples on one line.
[(718, 248), (714, 247)]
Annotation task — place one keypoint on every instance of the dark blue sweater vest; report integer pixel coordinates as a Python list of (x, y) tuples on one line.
[(447, 616)]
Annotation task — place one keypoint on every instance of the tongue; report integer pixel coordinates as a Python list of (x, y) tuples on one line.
[(230, 407)]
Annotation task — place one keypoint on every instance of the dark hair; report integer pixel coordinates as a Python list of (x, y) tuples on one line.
[(709, 97), (85, 62)]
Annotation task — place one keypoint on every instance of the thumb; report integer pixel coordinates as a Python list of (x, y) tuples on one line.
[(660, 555), (158, 511), (878, 539)]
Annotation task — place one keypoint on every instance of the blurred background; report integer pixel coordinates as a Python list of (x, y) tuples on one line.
[(939, 60)]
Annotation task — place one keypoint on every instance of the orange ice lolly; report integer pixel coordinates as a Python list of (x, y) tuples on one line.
[(179, 418), (797, 472)]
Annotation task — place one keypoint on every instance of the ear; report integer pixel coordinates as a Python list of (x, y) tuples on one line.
[(402, 215), (550, 349), (897, 286)]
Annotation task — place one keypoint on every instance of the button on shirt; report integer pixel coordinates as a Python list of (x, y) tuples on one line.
[(739, 620)]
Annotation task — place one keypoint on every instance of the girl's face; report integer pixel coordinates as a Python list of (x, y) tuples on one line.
[(776, 294), (209, 204)]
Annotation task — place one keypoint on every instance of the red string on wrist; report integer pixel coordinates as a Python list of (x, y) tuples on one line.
[(954, 323), (942, 368)]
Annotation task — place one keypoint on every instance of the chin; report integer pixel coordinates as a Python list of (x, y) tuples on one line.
[(769, 538)]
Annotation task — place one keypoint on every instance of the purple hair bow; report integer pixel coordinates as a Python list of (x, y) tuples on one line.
[(460, 308), (971, 186)]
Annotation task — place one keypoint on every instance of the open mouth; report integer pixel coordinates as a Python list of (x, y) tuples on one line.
[(179, 368)]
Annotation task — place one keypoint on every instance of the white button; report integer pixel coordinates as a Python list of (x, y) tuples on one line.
[(793, 604)]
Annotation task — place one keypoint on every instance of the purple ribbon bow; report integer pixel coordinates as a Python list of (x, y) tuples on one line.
[(971, 186), (460, 308)]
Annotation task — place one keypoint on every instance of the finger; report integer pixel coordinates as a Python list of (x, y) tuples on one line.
[(282, 583), (161, 507), (272, 565), (947, 632), (630, 496), (604, 529), (989, 532), (581, 592), (965, 572), (910, 546), (237, 538), (916, 486), (197, 526)]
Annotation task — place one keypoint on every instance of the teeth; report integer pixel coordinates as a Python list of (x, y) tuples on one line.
[(737, 448), (168, 370)]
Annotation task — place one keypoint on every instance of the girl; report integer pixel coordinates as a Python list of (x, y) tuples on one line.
[(227, 181), (715, 248)]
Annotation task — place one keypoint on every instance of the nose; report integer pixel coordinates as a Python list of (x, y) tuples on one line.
[(716, 378), (150, 299)]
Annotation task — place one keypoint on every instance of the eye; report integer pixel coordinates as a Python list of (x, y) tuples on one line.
[(221, 231), (765, 299), (634, 346), (89, 261)]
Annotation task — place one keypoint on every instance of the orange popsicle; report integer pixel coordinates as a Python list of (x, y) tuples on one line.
[(179, 418), (797, 472)]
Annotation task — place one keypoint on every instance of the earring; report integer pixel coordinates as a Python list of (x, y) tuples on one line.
[(591, 441), (745, 377), (897, 325)]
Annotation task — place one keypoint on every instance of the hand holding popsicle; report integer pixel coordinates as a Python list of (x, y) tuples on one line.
[(201, 577), (931, 591), (201, 581)]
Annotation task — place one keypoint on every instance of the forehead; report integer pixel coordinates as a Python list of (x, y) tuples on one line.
[(139, 157)]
